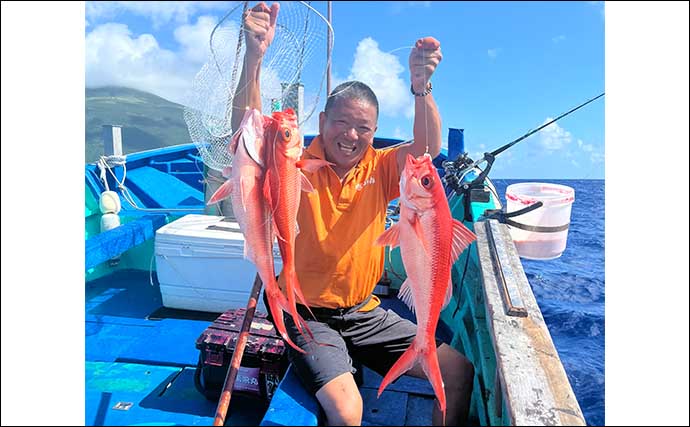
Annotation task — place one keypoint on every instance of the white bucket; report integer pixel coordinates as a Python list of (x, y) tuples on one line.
[(548, 224)]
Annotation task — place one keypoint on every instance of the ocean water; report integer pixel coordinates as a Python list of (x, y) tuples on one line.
[(570, 293)]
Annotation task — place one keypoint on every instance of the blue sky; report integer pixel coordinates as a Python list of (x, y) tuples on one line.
[(507, 68), (43, 61)]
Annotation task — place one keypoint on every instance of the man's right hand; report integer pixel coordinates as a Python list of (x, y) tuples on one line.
[(259, 29)]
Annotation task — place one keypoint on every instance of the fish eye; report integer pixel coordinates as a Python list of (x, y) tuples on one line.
[(426, 182), (286, 134)]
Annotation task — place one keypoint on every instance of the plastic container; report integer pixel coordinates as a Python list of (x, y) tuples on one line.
[(201, 266), (548, 225)]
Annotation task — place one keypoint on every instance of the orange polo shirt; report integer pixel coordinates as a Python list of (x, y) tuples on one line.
[(336, 261)]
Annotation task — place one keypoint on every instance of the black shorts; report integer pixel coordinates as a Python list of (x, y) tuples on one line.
[(376, 339)]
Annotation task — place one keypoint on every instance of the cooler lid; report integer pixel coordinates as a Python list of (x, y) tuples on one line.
[(200, 227)]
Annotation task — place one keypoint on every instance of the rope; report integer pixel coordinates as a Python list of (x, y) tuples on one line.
[(426, 118), (301, 55), (240, 37), (107, 162)]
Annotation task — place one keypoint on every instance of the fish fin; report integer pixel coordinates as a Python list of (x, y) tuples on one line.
[(268, 194), (449, 294), (429, 362), (267, 188), (276, 233), (406, 295), (244, 191), (306, 185), (223, 192), (312, 165), (249, 253), (250, 137), (462, 238), (232, 145), (404, 364), (390, 237), (419, 232)]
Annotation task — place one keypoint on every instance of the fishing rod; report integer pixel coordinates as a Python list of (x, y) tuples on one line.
[(226, 394), (499, 150), (457, 169)]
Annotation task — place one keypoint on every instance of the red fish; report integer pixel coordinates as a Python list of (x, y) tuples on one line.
[(253, 213), (430, 241), (283, 185)]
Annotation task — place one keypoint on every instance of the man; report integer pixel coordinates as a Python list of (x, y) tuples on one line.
[(337, 263)]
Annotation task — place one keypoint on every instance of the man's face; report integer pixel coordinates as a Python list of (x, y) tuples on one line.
[(347, 131)]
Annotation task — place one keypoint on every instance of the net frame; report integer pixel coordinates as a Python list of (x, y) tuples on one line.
[(301, 31)]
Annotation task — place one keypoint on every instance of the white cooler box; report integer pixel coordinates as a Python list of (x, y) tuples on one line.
[(201, 266)]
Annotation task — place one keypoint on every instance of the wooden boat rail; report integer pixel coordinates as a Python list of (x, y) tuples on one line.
[(530, 382)]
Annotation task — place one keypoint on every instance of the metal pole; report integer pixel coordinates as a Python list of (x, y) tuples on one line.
[(225, 396), (328, 52)]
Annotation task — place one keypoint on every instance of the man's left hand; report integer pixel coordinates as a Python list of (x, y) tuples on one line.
[(424, 58)]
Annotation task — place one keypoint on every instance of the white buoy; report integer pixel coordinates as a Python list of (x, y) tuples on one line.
[(109, 221), (109, 202)]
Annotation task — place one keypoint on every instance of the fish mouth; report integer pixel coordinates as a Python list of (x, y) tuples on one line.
[(347, 149)]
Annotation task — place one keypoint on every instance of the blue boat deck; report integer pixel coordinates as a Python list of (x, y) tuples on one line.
[(141, 359)]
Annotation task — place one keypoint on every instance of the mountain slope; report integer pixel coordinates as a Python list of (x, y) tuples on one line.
[(148, 121)]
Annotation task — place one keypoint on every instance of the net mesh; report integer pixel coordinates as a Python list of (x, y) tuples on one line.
[(293, 74)]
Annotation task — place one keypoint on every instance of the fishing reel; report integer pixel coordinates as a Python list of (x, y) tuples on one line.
[(461, 178), (454, 171)]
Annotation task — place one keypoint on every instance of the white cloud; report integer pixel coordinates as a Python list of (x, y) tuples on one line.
[(115, 57), (160, 12), (585, 147), (595, 155), (381, 71), (508, 156), (493, 53), (401, 134), (554, 137), (194, 39), (558, 39), (400, 6), (599, 5), (313, 105)]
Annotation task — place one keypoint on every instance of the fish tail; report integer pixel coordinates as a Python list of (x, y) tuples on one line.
[(278, 304), (298, 292), (404, 364), (429, 362), (292, 290)]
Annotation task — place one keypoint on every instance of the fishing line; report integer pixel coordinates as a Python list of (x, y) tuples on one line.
[(532, 132), (426, 119), (400, 48), (490, 157), (462, 282)]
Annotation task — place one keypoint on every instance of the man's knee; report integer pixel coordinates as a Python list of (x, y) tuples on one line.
[(455, 367), (347, 411), (341, 401)]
